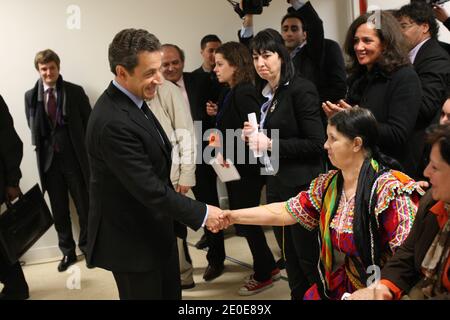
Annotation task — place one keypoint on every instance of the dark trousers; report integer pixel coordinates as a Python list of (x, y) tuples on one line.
[(12, 278), (64, 176), (246, 193), (162, 283), (205, 191), (300, 245)]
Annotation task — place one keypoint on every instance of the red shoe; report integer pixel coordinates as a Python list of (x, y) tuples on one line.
[(276, 275), (252, 287)]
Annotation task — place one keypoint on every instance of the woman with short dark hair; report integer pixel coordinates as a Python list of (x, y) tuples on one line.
[(292, 109)]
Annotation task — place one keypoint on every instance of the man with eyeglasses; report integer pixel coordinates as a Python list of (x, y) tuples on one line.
[(431, 63)]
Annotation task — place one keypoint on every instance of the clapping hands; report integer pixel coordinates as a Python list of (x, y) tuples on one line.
[(331, 108)]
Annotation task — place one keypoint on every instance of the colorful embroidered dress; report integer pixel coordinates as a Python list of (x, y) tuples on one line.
[(395, 210)]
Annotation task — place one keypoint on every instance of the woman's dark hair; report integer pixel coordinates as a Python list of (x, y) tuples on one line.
[(238, 56), (360, 122), (441, 135), (271, 40), (395, 52)]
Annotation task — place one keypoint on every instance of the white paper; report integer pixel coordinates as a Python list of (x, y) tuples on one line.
[(225, 174), (254, 123)]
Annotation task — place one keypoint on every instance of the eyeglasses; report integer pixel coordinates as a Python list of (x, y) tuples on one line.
[(406, 26)]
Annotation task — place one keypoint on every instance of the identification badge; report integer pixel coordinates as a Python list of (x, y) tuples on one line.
[(214, 140)]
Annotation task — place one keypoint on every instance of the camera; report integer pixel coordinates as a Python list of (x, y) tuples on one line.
[(249, 6), (433, 2)]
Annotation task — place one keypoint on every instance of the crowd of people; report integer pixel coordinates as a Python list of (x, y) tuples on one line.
[(355, 162)]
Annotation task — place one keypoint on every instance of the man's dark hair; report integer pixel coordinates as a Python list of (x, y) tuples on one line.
[(209, 38), (126, 46), (292, 15), (271, 40), (441, 134), (174, 46), (420, 13), (46, 56)]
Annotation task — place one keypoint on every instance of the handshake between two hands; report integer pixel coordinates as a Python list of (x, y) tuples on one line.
[(218, 219)]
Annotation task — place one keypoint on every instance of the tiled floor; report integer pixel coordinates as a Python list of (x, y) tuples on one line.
[(97, 284)]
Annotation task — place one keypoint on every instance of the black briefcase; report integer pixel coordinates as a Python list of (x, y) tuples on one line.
[(23, 223)]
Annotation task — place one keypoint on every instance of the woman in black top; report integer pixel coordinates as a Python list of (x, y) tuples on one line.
[(234, 68), (383, 81), (294, 139)]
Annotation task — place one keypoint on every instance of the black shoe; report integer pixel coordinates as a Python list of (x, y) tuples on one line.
[(281, 264), (188, 286), (66, 262), (202, 243), (213, 272)]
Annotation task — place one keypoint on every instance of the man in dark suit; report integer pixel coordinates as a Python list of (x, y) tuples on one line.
[(15, 285), (57, 112), (133, 204), (432, 65), (208, 46), (199, 89)]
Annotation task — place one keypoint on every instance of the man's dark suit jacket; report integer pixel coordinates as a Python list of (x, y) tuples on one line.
[(132, 201), (78, 111), (432, 65), (11, 151)]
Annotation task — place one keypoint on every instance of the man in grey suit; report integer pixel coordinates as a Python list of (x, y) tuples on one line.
[(133, 203)]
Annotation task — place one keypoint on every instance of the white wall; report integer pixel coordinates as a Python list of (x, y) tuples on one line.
[(28, 26)]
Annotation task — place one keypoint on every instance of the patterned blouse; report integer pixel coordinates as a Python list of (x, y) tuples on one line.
[(395, 210)]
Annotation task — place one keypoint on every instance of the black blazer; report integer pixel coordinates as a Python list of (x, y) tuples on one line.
[(432, 65), (394, 100), (295, 113), (404, 268), (320, 60), (240, 101), (11, 151), (132, 201), (78, 111)]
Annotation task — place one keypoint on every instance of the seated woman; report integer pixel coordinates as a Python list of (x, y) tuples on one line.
[(420, 267), (364, 210)]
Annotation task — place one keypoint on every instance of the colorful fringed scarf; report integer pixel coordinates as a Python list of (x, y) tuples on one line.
[(328, 208), (369, 172)]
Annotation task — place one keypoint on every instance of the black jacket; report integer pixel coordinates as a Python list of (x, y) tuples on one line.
[(295, 113), (235, 105), (432, 65), (320, 60), (132, 201), (76, 119), (394, 100), (11, 151)]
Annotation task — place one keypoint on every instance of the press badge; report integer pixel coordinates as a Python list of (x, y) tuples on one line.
[(214, 139)]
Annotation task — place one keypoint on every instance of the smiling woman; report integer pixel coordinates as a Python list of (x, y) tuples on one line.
[(383, 81)]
